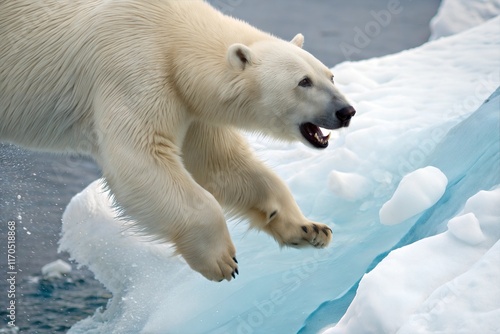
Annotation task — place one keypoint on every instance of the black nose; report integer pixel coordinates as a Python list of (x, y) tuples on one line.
[(344, 115)]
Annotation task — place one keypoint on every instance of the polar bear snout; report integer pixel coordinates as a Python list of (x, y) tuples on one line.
[(344, 115), (312, 133)]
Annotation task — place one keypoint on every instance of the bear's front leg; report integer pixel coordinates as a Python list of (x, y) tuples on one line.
[(205, 243), (275, 211), (221, 161), (278, 214), (151, 185)]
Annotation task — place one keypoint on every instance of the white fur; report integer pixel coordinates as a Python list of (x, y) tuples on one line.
[(154, 91)]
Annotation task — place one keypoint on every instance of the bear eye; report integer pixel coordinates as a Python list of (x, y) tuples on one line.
[(306, 82), (331, 79)]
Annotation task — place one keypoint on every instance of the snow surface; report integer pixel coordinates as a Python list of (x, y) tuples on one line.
[(416, 192), (415, 109), (448, 287), (455, 16)]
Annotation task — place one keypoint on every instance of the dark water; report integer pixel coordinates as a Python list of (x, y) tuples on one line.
[(36, 187)]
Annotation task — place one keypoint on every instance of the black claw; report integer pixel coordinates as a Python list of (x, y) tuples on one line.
[(234, 259), (232, 274), (304, 228), (316, 228), (295, 244), (236, 271), (325, 230)]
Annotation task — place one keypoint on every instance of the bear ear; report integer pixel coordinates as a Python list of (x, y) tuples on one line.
[(239, 56), (298, 40)]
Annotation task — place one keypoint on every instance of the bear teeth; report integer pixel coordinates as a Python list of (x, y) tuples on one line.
[(328, 132), (314, 135), (322, 139)]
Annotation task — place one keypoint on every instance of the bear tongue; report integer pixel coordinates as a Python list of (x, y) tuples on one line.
[(313, 134)]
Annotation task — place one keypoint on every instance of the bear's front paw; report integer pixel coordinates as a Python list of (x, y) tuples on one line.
[(316, 234), (300, 235), (214, 259)]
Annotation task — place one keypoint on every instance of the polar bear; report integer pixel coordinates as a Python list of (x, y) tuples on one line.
[(155, 91)]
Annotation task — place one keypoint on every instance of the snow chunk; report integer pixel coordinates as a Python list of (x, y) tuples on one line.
[(416, 192), (486, 210), (350, 186), (56, 269), (467, 229)]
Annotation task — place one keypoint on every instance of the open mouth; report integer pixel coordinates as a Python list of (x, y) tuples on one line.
[(312, 133)]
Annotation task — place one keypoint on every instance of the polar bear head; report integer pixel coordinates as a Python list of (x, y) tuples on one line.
[(293, 93)]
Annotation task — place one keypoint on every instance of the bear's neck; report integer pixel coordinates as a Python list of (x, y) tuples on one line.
[(196, 49)]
